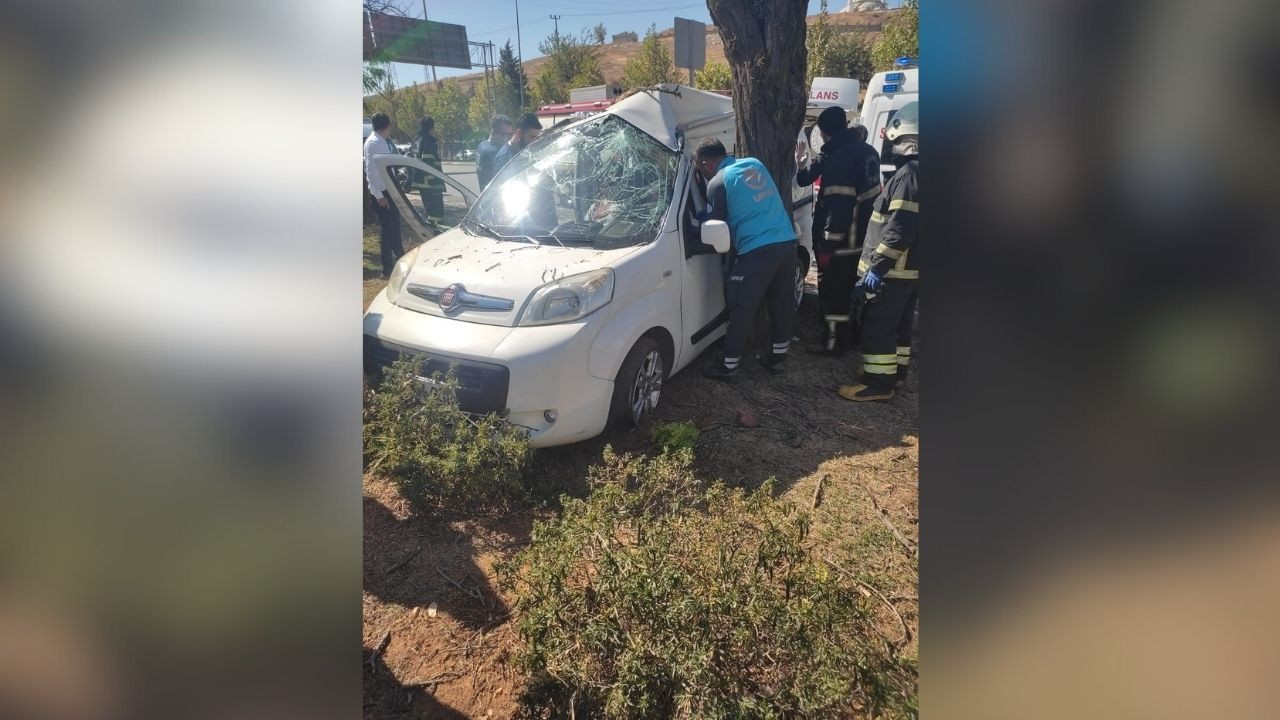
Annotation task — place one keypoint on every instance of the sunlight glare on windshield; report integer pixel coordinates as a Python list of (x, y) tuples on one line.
[(515, 198)]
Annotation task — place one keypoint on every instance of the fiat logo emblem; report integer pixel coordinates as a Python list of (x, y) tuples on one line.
[(449, 297)]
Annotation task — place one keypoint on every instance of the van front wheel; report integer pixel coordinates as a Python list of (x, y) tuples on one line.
[(638, 387)]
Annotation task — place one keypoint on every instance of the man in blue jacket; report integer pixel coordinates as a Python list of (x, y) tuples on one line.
[(743, 194)]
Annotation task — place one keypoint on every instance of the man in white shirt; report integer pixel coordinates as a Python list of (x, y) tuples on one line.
[(379, 143)]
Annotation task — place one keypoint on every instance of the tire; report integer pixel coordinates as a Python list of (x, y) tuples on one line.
[(802, 272), (638, 386)]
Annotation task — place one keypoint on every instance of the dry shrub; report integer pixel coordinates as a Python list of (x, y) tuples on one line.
[(659, 597), (436, 454)]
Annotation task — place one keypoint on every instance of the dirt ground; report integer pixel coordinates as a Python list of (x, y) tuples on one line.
[(457, 664)]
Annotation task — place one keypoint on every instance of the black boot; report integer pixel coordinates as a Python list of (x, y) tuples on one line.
[(773, 364), (717, 371)]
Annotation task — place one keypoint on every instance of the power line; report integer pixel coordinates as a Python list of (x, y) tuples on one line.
[(633, 12)]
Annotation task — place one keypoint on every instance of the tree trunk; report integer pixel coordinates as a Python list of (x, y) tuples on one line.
[(764, 42)]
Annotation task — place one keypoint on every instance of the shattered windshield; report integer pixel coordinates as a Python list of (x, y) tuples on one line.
[(602, 183)]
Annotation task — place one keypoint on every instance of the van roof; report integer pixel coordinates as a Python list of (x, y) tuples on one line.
[(664, 110)]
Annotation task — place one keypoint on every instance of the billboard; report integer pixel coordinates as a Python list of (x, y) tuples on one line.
[(417, 42)]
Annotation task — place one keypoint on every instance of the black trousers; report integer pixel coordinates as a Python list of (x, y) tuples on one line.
[(905, 324), (768, 272), (835, 295), (433, 203), (883, 321), (392, 248)]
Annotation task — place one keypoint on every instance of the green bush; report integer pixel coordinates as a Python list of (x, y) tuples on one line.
[(675, 436), (435, 453), (658, 597)]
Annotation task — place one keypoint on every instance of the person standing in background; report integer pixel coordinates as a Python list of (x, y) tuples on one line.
[(426, 147), (500, 131), (850, 173), (379, 143), (527, 130)]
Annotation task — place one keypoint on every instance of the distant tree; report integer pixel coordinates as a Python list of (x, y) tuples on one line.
[(901, 37), (713, 76), (490, 100), (448, 104), (835, 54), (850, 56), (510, 67), (568, 63), (599, 33), (411, 105), (765, 46), (818, 43), (377, 75), (651, 66)]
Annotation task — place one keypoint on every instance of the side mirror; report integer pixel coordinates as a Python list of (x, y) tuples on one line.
[(716, 234)]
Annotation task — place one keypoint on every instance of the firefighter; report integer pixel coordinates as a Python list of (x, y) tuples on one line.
[(849, 170), (741, 192), (431, 188), (889, 267)]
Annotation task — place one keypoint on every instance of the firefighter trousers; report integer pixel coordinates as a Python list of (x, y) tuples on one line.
[(768, 272), (835, 295), (886, 333), (433, 203)]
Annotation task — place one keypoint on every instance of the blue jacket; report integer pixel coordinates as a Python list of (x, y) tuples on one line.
[(743, 194)]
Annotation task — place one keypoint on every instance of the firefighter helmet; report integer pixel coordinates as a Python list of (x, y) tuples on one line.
[(905, 122)]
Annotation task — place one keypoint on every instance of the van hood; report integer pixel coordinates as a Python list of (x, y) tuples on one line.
[(500, 272)]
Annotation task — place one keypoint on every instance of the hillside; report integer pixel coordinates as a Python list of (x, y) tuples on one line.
[(614, 56)]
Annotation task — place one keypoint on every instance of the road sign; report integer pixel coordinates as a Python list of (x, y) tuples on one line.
[(691, 44)]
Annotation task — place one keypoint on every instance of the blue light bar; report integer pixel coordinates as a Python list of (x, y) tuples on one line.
[(891, 88), (895, 77), (904, 61)]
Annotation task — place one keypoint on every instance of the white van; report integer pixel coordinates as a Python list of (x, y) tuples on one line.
[(887, 93), (578, 282)]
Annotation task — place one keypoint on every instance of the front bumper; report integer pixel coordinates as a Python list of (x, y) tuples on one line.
[(523, 371), (482, 387)]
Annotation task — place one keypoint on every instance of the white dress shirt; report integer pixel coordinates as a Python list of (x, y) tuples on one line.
[(376, 145)]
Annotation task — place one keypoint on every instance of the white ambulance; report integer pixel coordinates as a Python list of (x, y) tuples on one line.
[(887, 93)]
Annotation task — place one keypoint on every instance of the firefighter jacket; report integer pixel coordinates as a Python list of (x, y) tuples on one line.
[(850, 172), (427, 149), (890, 250)]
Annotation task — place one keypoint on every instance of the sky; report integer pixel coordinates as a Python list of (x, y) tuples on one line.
[(495, 21)]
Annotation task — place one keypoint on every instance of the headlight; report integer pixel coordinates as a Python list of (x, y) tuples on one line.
[(569, 299), (401, 273)]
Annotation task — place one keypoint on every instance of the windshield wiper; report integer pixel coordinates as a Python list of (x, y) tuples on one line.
[(571, 237), (485, 229)]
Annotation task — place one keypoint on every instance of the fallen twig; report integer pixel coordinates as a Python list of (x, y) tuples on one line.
[(469, 591), (405, 560), (906, 629), (817, 492), (884, 518), (379, 649), (433, 682)]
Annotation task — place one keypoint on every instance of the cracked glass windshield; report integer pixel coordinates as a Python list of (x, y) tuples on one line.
[(603, 183)]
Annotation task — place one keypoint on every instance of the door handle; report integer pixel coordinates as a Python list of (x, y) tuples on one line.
[(666, 274)]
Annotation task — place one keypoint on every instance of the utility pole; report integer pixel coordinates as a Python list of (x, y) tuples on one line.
[(519, 53), (428, 34), (553, 17)]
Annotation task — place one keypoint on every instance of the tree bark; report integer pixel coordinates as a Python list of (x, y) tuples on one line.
[(764, 42)]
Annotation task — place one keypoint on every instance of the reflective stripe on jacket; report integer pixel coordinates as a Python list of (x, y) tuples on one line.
[(891, 249)]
